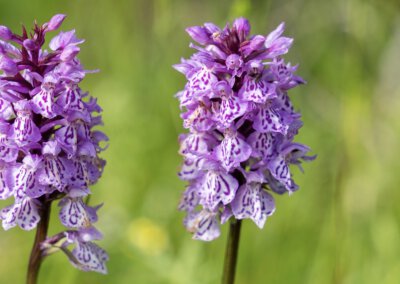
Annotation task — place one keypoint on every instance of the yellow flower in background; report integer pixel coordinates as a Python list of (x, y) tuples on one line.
[(147, 236)]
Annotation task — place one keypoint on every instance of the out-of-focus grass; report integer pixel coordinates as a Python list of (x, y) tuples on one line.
[(342, 227)]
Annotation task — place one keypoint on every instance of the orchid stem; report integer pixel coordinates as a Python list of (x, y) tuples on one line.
[(231, 253), (36, 257)]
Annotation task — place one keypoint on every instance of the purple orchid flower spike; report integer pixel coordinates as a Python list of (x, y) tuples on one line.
[(49, 149), (241, 125), (241, 120)]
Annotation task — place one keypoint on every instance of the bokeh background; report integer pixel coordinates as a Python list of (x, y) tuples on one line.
[(343, 226)]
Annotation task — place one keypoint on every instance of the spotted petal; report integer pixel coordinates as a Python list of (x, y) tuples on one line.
[(24, 214), (262, 145), (80, 178), (5, 189), (6, 110), (202, 81), (191, 168), (94, 168), (190, 198), (196, 143), (8, 154), (71, 99), (232, 151), (203, 225), (67, 136), (276, 186), (257, 91), (269, 120), (199, 85), (198, 119), (90, 257), (282, 103), (28, 216), (280, 171), (9, 215), (42, 103), (253, 202), (217, 187), (56, 172), (25, 181), (73, 213), (230, 108), (24, 131)]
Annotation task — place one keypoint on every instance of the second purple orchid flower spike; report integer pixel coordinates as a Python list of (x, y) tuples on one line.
[(49, 148)]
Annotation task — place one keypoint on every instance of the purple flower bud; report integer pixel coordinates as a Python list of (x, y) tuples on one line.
[(234, 61), (5, 33), (241, 126), (69, 52), (64, 39), (30, 44), (274, 35), (55, 22), (242, 27), (276, 44), (198, 34), (8, 65), (255, 44)]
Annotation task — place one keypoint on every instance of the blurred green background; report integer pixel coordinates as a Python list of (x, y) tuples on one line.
[(343, 226)]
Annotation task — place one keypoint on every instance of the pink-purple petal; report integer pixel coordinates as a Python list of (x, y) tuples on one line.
[(73, 213), (217, 187), (90, 257), (203, 225), (269, 120), (253, 202), (232, 151)]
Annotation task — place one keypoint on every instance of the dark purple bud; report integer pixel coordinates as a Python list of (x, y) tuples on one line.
[(199, 34), (5, 33), (69, 53), (242, 27), (55, 22), (7, 65), (233, 61), (30, 44)]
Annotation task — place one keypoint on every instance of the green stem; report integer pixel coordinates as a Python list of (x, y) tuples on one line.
[(232, 248), (36, 257)]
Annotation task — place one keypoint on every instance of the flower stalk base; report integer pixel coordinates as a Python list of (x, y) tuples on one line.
[(36, 257), (231, 253)]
